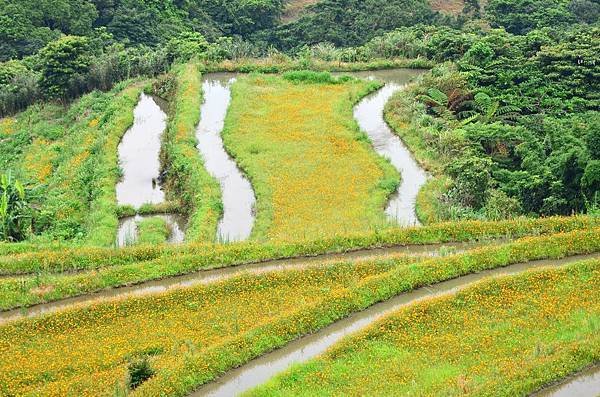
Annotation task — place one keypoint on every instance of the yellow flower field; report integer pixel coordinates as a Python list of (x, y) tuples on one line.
[(86, 351), (313, 172), (503, 337)]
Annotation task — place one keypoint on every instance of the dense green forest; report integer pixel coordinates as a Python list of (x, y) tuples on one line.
[(513, 121), (63, 48)]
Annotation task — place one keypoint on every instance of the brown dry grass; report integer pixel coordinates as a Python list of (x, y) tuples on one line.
[(294, 8), (453, 7)]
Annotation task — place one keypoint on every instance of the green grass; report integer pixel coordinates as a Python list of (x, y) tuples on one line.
[(152, 231), (280, 64), (399, 114), (314, 173), (102, 221), (428, 204), (30, 290), (503, 337)]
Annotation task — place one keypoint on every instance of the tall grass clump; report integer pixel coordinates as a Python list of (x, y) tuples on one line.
[(312, 77), (152, 230), (187, 179)]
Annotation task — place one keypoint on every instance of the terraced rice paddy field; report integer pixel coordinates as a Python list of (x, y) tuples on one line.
[(326, 294)]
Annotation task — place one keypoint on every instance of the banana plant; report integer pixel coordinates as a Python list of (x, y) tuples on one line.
[(488, 110), (437, 101), (15, 211)]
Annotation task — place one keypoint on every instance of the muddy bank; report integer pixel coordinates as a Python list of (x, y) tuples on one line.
[(583, 384), (369, 115), (260, 370), (237, 193)]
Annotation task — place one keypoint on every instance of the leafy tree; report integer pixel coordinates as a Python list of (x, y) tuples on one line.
[(488, 110), (187, 45), (586, 11), (28, 25), (522, 16), (471, 181), (61, 61), (351, 22), (593, 141), (590, 182)]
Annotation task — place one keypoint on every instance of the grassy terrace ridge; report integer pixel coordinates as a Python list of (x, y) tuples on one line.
[(187, 179), (502, 337), (59, 259), (296, 138), (102, 221), (192, 335)]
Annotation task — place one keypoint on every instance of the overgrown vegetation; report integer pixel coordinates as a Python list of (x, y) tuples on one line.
[(187, 180), (68, 155), (153, 230), (513, 122)]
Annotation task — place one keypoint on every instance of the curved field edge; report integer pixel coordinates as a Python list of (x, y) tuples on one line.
[(399, 114), (187, 179), (503, 337), (68, 259), (271, 135), (208, 256), (193, 364)]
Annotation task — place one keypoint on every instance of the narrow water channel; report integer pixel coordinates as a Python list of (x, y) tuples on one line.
[(139, 153), (260, 370), (237, 194), (369, 115), (583, 384), (220, 274)]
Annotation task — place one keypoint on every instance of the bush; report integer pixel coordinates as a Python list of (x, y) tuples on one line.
[(140, 371)]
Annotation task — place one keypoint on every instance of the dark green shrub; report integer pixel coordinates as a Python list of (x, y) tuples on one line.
[(139, 371)]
